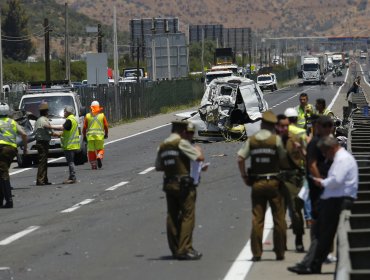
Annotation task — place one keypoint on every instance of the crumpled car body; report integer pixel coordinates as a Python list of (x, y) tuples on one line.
[(231, 105)]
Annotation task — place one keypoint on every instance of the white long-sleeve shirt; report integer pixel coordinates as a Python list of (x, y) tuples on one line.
[(342, 179)]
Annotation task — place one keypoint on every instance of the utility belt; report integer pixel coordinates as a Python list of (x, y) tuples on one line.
[(179, 183), (267, 176)]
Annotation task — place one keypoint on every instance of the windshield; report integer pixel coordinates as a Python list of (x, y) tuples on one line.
[(310, 67), (211, 77), (262, 79), (56, 104)]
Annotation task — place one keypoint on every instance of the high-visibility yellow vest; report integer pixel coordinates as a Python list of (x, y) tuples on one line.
[(298, 132), (95, 127), (71, 138), (302, 115), (8, 132)]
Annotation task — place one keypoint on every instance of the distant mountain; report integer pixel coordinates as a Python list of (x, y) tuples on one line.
[(271, 17)]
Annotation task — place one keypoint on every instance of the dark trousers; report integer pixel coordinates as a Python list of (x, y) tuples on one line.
[(7, 154), (42, 170), (70, 157), (180, 221), (326, 228), (295, 205)]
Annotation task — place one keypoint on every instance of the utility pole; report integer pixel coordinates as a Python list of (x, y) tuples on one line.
[(66, 46), (168, 50), (115, 58), (137, 61), (100, 37), (202, 58), (47, 50), (250, 49), (1, 63)]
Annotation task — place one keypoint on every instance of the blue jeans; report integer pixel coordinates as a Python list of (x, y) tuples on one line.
[(70, 157)]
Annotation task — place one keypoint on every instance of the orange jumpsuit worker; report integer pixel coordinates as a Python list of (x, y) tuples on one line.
[(95, 130)]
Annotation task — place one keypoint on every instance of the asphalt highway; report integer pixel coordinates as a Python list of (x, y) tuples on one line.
[(111, 224)]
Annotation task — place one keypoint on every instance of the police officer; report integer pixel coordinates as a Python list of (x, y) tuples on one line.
[(305, 110), (70, 139), (266, 150), (173, 158), (95, 130), (293, 171), (43, 133), (8, 150)]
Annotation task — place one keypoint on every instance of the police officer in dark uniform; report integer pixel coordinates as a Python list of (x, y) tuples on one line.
[(8, 150), (43, 133), (173, 158), (265, 149)]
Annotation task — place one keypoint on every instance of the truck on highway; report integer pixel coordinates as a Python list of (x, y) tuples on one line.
[(338, 60), (311, 72)]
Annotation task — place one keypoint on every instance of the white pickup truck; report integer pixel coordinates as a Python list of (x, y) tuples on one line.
[(267, 81), (57, 100)]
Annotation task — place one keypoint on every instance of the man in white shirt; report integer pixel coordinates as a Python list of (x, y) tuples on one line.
[(339, 191)]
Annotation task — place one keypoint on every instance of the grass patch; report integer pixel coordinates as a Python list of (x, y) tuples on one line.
[(173, 108), (163, 110)]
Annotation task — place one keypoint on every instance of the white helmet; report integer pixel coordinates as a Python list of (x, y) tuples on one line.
[(4, 109), (95, 103), (291, 113)]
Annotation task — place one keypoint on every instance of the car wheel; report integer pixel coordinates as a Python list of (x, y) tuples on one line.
[(23, 161)]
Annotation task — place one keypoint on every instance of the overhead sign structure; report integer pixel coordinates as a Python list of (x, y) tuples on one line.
[(167, 56), (97, 65)]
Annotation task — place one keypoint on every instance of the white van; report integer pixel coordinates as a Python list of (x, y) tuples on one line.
[(57, 99)]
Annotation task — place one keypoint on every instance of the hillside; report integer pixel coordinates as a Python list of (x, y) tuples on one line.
[(272, 17)]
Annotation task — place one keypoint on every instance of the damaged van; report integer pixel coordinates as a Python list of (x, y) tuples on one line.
[(230, 107)]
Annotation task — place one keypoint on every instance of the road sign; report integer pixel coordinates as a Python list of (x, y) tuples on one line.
[(91, 29)]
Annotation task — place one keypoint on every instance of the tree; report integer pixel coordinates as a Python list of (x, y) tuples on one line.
[(16, 40), (195, 55)]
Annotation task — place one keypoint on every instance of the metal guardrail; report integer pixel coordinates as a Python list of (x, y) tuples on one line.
[(354, 225)]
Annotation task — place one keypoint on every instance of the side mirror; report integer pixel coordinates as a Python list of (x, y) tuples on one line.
[(202, 80), (300, 74)]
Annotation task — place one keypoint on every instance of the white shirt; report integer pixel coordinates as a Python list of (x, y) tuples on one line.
[(342, 177)]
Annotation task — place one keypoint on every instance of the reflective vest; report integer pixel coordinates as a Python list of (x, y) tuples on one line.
[(297, 132), (326, 112), (8, 132), (95, 127), (264, 156), (174, 162), (302, 115), (71, 138)]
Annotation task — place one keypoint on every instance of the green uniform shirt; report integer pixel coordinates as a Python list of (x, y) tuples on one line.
[(42, 132)]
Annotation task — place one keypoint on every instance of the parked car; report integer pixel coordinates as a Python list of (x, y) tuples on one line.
[(57, 99), (267, 81)]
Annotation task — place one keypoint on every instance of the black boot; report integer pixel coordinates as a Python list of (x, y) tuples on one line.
[(1, 193), (8, 194)]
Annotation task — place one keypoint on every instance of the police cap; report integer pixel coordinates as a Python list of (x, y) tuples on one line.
[(269, 117)]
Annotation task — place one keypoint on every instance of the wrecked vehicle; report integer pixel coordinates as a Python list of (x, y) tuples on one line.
[(229, 108)]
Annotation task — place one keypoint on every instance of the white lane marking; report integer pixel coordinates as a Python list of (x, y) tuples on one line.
[(136, 134), (78, 205), (4, 268), (26, 169), (298, 93), (337, 94), (18, 235), (112, 188), (242, 265), (364, 76), (147, 170)]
